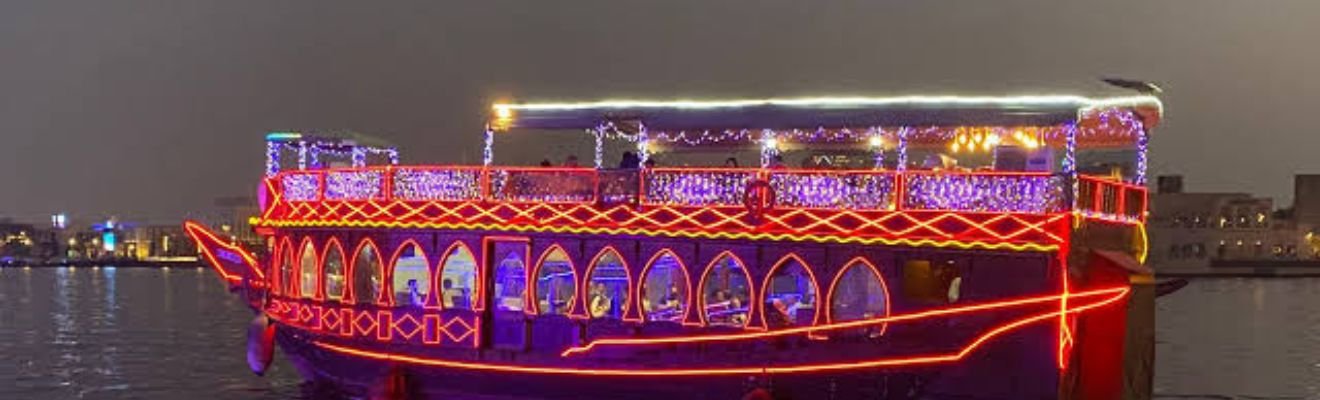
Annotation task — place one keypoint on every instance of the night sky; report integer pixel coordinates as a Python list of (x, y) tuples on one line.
[(149, 109)]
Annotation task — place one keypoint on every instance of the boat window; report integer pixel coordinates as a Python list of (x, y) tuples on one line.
[(307, 271), (458, 279), (609, 286), (664, 289), (932, 282), (411, 278), (859, 293), (334, 271), (726, 292), (367, 275), (790, 296), (285, 284), (556, 284), (510, 283)]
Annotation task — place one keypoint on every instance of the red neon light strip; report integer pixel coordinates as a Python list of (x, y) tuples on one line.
[(889, 362), (199, 232), (1119, 291)]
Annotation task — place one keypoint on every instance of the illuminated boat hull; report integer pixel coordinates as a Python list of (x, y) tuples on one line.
[(1006, 337)]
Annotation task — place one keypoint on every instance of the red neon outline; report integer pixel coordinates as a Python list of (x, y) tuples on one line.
[(754, 335), (687, 282), (701, 287), (591, 268), (821, 225), (815, 319), (875, 363), (351, 295), (440, 273), (198, 232), (884, 286), (487, 247), (283, 286), (320, 287), (394, 263), (303, 246), (535, 274)]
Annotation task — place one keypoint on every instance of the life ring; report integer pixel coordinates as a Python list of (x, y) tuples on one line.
[(759, 197)]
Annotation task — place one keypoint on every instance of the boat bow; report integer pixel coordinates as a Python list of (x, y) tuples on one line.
[(236, 266)]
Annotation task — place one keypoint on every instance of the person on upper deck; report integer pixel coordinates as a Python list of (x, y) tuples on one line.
[(545, 163), (629, 161), (731, 162), (571, 161), (777, 162), (650, 163)]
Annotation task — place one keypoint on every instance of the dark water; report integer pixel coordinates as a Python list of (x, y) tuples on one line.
[(125, 333), (1240, 339)]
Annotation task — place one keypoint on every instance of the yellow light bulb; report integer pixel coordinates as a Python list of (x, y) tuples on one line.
[(503, 112), (876, 141)]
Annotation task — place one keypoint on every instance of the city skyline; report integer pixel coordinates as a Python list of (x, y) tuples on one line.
[(153, 111)]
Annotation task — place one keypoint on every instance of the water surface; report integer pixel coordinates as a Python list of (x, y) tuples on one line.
[(130, 333)]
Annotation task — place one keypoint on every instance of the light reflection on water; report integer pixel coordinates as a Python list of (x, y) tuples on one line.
[(1239, 338), (120, 333)]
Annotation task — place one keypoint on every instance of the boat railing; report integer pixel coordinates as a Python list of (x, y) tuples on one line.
[(861, 190), (1111, 198)]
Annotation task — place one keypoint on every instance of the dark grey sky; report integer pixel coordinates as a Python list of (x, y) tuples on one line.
[(149, 109)]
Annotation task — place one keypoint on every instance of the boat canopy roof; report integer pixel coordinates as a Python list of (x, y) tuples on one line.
[(821, 112)]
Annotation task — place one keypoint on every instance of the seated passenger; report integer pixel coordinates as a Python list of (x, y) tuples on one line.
[(453, 297), (414, 296), (600, 301)]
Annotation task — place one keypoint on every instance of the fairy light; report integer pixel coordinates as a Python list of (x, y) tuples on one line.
[(599, 135), (870, 191), (488, 152), (359, 157), (769, 147), (643, 146), (688, 188), (354, 185), (984, 193), (300, 187), (437, 184), (272, 158), (902, 148)]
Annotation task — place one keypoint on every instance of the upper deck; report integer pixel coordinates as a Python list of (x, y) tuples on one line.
[(1025, 196)]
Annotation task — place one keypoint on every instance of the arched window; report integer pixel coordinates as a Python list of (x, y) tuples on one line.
[(510, 283), (285, 280), (367, 274), (556, 284), (307, 271), (458, 278), (608, 293), (334, 270), (726, 292), (858, 292), (664, 289), (412, 277), (790, 294)]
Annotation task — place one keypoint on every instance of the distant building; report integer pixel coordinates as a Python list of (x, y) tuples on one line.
[(158, 241), (1198, 230)]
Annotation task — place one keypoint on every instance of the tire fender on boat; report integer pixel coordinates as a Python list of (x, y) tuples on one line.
[(261, 344)]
